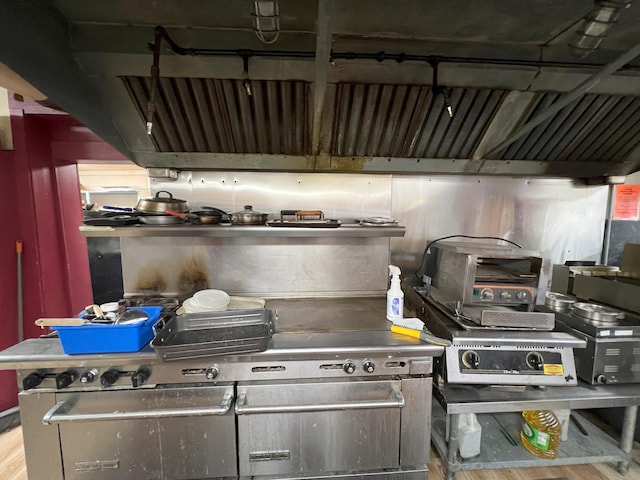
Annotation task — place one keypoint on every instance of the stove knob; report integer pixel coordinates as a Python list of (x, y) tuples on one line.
[(601, 379), (212, 372), (471, 359), (139, 377), (535, 361), (109, 377), (368, 366), (521, 295), (349, 367), (66, 378), (88, 376), (32, 380), (486, 294)]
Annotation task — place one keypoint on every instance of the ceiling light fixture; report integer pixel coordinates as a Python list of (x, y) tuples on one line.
[(595, 25), (439, 90), (266, 20)]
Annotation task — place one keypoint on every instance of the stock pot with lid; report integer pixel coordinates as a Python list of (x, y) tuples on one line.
[(160, 204)]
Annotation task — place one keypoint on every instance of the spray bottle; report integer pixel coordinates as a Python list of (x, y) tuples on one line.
[(395, 295)]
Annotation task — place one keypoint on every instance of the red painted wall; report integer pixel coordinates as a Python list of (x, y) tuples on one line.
[(40, 193)]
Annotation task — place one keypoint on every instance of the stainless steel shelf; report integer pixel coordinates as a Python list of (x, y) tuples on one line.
[(471, 399), (497, 452), (344, 231), (453, 400)]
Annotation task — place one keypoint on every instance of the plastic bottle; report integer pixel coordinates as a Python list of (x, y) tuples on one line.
[(563, 416), (540, 433), (395, 295), (469, 435)]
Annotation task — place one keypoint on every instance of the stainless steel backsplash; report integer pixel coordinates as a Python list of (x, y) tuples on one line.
[(560, 218)]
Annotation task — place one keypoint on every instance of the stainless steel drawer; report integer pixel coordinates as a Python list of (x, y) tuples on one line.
[(307, 427), (146, 434)]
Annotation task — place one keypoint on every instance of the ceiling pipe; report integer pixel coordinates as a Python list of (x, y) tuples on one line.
[(377, 56), (565, 100)]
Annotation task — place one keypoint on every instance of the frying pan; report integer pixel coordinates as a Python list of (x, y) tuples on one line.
[(208, 216), (160, 219)]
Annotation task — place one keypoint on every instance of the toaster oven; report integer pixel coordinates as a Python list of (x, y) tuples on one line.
[(468, 273)]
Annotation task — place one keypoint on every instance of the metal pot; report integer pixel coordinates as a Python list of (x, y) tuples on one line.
[(248, 216), (160, 204)]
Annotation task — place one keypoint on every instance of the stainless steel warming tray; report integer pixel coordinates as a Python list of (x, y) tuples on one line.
[(196, 335)]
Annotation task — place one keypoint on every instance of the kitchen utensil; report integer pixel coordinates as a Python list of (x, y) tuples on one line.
[(93, 311), (579, 425), (378, 221), (559, 301), (131, 316), (160, 219), (303, 218), (71, 321), (504, 432), (200, 217), (248, 216), (210, 215), (197, 335), (160, 204)]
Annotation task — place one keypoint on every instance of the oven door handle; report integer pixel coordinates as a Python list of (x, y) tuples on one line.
[(395, 400), (54, 415)]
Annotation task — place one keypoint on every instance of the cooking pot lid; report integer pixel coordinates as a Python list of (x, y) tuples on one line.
[(248, 210), (168, 199)]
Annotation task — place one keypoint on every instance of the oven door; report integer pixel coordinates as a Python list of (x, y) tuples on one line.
[(309, 427), (144, 434)]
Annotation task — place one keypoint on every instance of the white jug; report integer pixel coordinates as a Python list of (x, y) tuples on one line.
[(469, 435)]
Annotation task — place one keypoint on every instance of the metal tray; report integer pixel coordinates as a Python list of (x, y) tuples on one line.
[(305, 223), (198, 335)]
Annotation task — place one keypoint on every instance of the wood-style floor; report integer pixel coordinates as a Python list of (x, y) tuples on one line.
[(12, 467)]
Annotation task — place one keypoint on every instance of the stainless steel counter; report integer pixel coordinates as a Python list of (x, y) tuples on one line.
[(306, 329), (330, 362)]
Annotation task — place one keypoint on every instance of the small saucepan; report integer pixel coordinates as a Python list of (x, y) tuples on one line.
[(249, 216)]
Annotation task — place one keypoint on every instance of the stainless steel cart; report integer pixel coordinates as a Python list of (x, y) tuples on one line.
[(500, 407)]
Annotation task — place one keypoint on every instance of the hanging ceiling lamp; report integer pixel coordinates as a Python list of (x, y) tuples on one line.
[(595, 25), (266, 20)]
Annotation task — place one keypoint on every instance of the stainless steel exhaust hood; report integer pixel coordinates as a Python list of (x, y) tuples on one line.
[(342, 86)]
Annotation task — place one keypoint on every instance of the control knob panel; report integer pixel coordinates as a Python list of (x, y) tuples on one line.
[(368, 366), (66, 378), (349, 367), (140, 376)]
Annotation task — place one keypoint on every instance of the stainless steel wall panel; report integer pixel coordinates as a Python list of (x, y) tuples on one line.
[(562, 219), (269, 267)]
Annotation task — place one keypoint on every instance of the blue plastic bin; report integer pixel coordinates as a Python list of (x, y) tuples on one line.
[(108, 338)]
